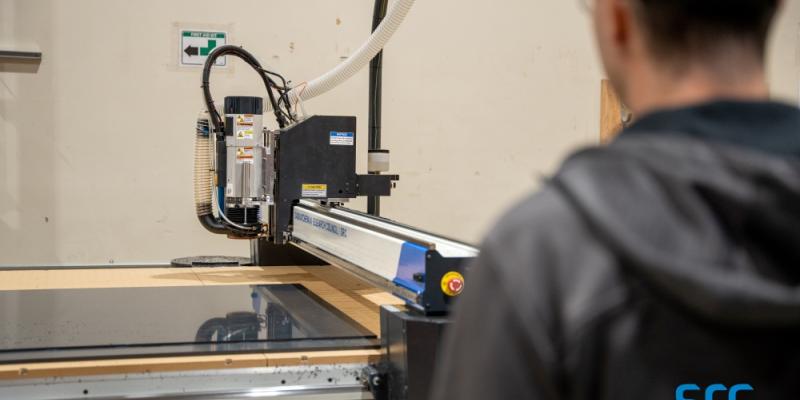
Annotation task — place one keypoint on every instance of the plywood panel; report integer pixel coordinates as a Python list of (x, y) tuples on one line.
[(322, 357), (359, 289), (193, 363), (158, 277), (346, 302), (380, 298), (252, 275), (96, 278), (128, 366)]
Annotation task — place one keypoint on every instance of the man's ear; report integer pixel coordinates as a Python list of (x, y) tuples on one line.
[(622, 23)]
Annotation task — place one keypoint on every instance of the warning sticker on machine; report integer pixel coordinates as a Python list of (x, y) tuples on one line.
[(244, 155), (314, 190), (244, 133), (245, 120), (342, 138)]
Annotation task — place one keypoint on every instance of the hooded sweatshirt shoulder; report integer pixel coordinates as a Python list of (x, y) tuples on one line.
[(666, 258), (712, 226), (528, 291)]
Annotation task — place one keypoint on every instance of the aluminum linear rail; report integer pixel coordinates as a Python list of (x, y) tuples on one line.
[(414, 265)]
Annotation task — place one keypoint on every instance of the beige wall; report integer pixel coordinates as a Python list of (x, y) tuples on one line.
[(480, 101)]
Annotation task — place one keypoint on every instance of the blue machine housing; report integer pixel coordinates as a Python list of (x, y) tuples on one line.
[(420, 271)]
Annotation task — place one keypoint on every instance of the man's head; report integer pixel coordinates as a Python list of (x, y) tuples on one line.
[(725, 39)]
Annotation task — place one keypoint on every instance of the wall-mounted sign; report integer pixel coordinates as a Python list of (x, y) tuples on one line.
[(196, 45)]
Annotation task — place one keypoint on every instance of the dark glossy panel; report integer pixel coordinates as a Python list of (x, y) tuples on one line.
[(81, 323)]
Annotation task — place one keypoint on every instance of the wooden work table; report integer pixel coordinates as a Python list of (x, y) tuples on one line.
[(355, 298)]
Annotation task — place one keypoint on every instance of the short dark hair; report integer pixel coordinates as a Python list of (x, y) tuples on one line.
[(695, 28)]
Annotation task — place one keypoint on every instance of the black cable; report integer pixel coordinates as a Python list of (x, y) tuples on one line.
[(212, 223), (243, 54), (284, 93), (207, 330), (283, 80), (376, 81), (375, 95)]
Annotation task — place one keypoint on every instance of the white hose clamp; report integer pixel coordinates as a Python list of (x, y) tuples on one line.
[(378, 161)]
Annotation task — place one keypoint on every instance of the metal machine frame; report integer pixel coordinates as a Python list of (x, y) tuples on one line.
[(284, 191), (403, 260), (308, 172)]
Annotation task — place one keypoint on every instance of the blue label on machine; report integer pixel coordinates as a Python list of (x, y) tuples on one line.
[(412, 261), (342, 138)]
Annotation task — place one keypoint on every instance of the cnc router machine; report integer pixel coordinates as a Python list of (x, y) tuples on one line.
[(300, 322)]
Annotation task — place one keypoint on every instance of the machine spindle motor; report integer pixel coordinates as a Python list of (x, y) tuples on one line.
[(247, 161)]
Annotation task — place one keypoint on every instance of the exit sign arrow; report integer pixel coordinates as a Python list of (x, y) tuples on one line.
[(203, 51), (196, 46)]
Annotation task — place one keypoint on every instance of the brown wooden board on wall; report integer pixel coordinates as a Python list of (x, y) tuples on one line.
[(611, 112)]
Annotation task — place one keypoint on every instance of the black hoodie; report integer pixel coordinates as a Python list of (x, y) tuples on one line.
[(671, 257)]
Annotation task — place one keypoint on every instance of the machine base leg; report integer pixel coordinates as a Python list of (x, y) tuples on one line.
[(411, 342)]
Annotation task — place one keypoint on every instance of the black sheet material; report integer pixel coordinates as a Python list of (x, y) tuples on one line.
[(127, 322)]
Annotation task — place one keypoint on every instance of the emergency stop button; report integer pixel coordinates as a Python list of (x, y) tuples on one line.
[(452, 283)]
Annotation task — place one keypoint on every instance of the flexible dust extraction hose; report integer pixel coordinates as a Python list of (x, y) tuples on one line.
[(203, 178), (342, 72)]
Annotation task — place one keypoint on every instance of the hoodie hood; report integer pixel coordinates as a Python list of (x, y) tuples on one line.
[(713, 226)]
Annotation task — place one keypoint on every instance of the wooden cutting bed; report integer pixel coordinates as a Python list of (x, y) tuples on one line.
[(357, 299)]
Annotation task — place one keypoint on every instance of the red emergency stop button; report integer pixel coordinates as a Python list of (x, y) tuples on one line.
[(452, 283)]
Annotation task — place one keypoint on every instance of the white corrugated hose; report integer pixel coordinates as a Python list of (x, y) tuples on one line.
[(344, 71)]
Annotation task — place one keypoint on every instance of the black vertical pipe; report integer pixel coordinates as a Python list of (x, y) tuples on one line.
[(375, 95)]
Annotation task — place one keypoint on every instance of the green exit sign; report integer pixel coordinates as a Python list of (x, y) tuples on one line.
[(196, 45)]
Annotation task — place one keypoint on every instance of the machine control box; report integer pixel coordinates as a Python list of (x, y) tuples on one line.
[(316, 159)]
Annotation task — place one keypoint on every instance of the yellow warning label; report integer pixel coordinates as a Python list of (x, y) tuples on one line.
[(314, 190), (246, 119), (315, 186), (452, 283), (244, 155), (244, 133)]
